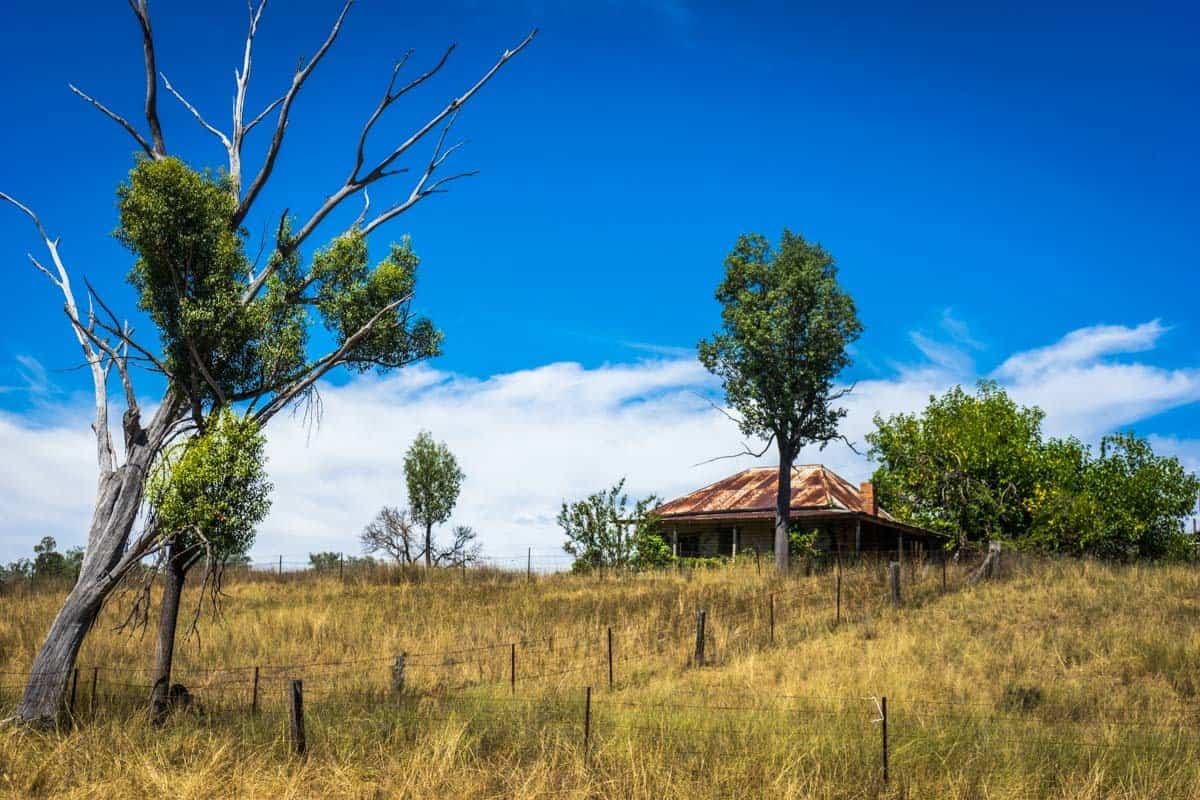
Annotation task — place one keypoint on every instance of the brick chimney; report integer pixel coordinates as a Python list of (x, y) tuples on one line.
[(870, 505)]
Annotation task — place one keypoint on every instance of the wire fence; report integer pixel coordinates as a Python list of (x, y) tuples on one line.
[(575, 686)]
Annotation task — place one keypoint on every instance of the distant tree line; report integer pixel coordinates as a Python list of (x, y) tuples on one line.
[(977, 466), (47, 562)]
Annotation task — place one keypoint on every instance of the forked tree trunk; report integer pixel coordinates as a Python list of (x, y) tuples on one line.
[(105, 563), (783, 506), (178, 564)]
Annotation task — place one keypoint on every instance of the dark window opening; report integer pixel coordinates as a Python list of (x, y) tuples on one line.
[(724, 541), (689, 545)]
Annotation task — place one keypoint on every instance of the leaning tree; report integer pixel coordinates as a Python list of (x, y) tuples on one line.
[(232, 331)]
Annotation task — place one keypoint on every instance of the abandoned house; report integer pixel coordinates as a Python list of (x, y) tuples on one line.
[(737, 515)]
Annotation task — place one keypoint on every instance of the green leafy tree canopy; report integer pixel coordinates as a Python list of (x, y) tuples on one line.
[(604, 530), (434, 480), (786, 326), (209, 493)]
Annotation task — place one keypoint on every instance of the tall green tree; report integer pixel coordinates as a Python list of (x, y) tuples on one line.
[(434, 480), (231, 317), (604, 530), (786, 325), (965, 466), (206, 497)]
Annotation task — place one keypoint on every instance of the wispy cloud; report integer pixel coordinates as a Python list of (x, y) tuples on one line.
[(1082, 347), (34, 380)]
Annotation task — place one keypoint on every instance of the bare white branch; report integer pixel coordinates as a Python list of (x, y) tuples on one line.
[(105, 452), (384, 168), (115, 117), (285, 107), (195, 113)]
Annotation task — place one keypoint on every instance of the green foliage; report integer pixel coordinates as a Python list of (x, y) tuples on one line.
[(325, 560), (602, 530), (785, 326), (46, 563), (964, 466), (19, 570), (977, 466), (1126, 503), (212, 490), (192, 270), (802, 543), (349, 294), (434, 480)]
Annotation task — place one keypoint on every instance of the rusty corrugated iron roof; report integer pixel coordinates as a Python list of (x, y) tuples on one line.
[(814, 487)]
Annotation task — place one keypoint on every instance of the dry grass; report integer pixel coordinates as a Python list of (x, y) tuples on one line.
[(1067, 680)]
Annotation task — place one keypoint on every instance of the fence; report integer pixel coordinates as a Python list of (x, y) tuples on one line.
[(574, 686)]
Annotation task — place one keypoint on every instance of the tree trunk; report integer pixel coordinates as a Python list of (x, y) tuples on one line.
[(176, 575), (428, 544), (783, 506), (105, 563)]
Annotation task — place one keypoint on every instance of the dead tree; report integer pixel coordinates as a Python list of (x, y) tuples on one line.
[(112, 550)]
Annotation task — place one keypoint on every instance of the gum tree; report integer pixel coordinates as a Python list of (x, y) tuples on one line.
[(786, 324), (232, 330)]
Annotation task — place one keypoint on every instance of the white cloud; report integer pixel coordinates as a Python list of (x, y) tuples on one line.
[(529, 439), (1080, 348)]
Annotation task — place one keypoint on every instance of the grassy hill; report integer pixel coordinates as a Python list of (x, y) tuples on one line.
[(1063, 679)]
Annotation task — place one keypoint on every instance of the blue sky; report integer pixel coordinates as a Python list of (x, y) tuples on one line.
[(989, 181)]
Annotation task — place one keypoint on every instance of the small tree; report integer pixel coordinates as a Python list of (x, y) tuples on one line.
[(47, 561), (602, 530), (206, 497), (394, 533), (786, 326), (463, 548), (325, 560), (434, 480)]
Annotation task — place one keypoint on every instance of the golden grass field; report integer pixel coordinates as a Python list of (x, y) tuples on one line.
[(1064, 679)]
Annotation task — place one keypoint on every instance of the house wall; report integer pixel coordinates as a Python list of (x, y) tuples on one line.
[(716, 538)]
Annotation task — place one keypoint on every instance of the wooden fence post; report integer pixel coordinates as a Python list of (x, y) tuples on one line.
[(280, 566), (610, 660), (883, 719), (894, 581), (341, 567), (587, 723), (398, 674), (254, 694), (92, 696), (299, 745), (771, 612), (512, 674), (700, 617), (838, 618)]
